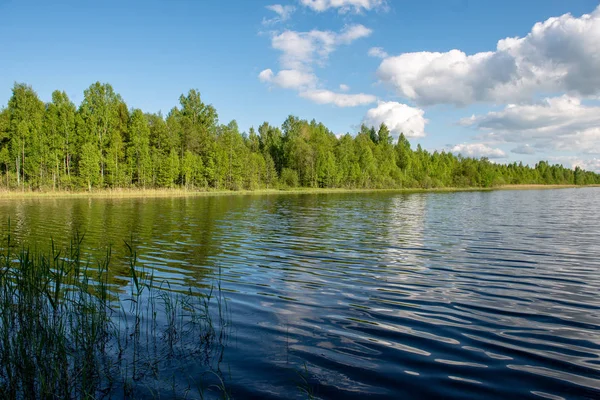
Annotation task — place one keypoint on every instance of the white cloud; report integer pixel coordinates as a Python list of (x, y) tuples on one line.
[(559, 54), (377, 52), (352, 32), (399, 118), (591, 164), (338, 99), (283, 14), (300, 50), (477, 150), (559, 123), (467, 121), (344, 6), (289, 78), (266, 75), (523, 149)]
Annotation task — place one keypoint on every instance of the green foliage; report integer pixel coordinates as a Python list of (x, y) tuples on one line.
[(169, 169), (59, 129), (289, 177), (102, 115), (26, 139), (138, 149), (104, 144), (89, 165)]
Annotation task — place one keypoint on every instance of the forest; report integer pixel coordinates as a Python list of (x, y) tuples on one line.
[(104, 144)]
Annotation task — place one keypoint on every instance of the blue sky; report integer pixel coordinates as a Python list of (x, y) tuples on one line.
[(234, 53)]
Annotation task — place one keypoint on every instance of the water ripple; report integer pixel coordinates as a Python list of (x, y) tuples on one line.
[(453, 295)]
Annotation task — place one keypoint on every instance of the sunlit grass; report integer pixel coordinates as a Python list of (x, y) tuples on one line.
[(150, 193)]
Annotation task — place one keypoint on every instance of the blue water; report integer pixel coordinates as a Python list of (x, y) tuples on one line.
[(383, 295)]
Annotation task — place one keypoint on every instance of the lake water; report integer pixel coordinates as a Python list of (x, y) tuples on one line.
[(382, 295)]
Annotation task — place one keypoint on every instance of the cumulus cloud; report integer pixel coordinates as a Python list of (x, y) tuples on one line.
[(399, 118), (477, 150), (377, 52), (283, 14), (300, 50), (559, 54), (352, 32), (523, 149), (288, 78), (338, 99), (591, 164), (344, 6), (467, 121), (558, 123)]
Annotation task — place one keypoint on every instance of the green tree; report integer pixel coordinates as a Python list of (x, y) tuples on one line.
[(59, 124), (198, 123), (26, 112), (169, 170), (383, 135), (253, 141), (101, 116), (232, 156), (138, 150), (89, 164), (5, 159), (103, 143), (116, 165), (366, 161), (271, 144), (192, 170)]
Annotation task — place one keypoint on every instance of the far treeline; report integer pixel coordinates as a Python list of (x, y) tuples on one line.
[(104, 144)]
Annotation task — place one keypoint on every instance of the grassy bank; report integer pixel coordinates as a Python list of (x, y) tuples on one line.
[(541, 187), (140, 193)]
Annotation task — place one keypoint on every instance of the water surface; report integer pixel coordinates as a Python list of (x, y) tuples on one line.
[(382, 295)]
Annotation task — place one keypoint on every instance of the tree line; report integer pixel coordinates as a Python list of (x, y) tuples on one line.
[(104, 144)]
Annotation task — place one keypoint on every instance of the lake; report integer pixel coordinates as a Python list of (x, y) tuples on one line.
[(370, 295)]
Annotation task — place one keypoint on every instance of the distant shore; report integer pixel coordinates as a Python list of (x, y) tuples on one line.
[(540, 186), (149, 193)]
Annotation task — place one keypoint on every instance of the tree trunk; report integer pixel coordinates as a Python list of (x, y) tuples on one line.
[(67, 153), (116, 168), (23, 164), (17, 163)]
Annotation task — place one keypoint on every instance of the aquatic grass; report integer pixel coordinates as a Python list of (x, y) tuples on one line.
[(304, 386), (64, 334)]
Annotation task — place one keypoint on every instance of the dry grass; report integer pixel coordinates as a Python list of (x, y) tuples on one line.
[(153, 193), (537, 187)]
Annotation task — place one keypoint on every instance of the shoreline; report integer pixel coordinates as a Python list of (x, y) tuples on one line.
[(162, 193)]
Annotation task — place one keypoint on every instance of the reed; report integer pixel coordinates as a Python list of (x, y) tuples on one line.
[(64, 333)]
